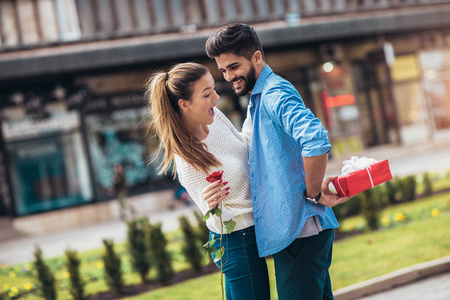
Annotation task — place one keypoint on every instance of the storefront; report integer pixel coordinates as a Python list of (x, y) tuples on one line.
[(435, 66), (59, 153)]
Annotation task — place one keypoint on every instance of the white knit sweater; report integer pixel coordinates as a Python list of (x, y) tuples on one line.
[(231, 148)]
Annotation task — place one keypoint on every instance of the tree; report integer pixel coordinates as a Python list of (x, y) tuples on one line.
[(191, 247), (76, 287), (157, 244), (112, 264), (45, 276), (138, 248)]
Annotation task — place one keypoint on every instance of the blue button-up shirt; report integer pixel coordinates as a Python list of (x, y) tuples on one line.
[(284, 131)]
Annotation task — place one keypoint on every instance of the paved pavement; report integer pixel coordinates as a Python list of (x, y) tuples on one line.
[(21, 249), (433, 288)]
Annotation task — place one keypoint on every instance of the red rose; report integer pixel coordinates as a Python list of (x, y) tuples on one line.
[(217, 175)]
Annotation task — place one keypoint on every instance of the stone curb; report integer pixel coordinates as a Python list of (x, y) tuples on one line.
[(394, 279)]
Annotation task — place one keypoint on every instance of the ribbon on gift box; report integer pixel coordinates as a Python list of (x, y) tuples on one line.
[(354, 164)]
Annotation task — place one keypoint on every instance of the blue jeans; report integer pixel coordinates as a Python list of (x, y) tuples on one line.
[(302, 268), (246, 275)]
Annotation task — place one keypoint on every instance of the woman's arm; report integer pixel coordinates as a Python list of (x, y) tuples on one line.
[(247, 127)]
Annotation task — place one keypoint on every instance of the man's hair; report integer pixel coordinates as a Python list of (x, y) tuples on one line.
[(237, 38)]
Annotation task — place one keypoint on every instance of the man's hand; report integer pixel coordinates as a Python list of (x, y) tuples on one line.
[(329, 198)]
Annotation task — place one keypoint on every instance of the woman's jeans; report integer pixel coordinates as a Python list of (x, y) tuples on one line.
[(246, 275)]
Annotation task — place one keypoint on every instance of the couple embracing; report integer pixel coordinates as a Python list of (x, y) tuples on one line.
[(273, 171)]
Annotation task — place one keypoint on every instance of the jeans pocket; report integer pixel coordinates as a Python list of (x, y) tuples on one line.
[(225, 254)]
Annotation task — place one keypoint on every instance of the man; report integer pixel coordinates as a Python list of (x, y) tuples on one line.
[(120, 191), (288, 156)]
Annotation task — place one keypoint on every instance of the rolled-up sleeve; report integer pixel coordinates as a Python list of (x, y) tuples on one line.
[(288, 110)]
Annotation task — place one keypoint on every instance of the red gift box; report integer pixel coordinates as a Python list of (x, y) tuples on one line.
[(361, 180)]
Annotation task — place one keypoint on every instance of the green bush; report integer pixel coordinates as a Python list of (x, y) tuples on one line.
[(191, 246), (202, 229), (138, 248), (46, 279), (427, 185), (112, 264), (349, 208), (408, 188), (157, 246), (76, 286), (392, 189), (371, 207)]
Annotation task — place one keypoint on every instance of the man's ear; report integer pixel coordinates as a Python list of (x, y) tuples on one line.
[(257, 58), (183, 104)]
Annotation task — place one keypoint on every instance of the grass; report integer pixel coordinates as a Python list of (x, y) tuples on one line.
[(419, 238)]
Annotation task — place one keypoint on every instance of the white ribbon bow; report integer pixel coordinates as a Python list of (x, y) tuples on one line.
[(358, 163)]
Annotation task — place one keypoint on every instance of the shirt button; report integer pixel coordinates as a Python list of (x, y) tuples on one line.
[(253, 175)]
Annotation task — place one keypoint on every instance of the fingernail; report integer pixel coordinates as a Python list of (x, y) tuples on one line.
[(227, 188), (225, 182), (227, 193)]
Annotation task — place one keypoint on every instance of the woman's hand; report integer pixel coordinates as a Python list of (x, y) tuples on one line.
[(215, 193)]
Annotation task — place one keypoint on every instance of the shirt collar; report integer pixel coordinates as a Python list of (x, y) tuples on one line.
[(266, 71)]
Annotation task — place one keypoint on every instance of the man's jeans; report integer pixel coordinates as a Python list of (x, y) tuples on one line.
[(302, 268), (245, 272)]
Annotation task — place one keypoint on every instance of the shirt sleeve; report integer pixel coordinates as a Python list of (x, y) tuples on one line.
[(286, 108)]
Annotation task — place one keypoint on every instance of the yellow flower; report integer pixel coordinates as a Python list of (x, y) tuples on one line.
[(6, 286), (385, 220), (99, 265), (435, 212), (13, 292), (399, 217), (27, 267), (12, 274), (66, 274), (28, 286)]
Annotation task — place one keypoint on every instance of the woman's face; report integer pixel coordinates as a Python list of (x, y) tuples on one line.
[(199, 109)]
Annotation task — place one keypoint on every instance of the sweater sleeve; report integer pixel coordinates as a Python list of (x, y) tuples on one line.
[(247, 128)]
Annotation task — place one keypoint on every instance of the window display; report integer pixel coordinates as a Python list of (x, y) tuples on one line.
[(120, 137)]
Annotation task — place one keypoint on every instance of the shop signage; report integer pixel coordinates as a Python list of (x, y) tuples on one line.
[(18, 129), (405, 67), (115, 102)]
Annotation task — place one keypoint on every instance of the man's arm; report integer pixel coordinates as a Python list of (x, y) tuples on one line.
[(315, 167)]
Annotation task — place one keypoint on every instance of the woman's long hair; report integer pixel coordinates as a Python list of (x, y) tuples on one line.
[(162, 91)]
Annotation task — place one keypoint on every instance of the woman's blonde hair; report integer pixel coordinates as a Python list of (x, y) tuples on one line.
[(163, 91)]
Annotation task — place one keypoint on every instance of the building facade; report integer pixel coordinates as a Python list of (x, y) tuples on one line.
[(72, 73)]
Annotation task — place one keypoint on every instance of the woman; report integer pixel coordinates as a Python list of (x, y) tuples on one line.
[(198, 139)]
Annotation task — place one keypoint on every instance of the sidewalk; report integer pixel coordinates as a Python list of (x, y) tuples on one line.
[(19, 250), (428, 281)]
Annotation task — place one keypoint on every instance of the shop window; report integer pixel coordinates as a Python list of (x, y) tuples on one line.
[(436, 69), (48, 173), (121, 138)]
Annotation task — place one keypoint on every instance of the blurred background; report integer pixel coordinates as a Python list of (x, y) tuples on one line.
[(376, 72)]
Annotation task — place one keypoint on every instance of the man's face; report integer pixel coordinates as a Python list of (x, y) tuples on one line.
[(238, 71)]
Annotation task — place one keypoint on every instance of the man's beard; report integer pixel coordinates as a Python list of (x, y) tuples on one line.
[(249, 82)]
